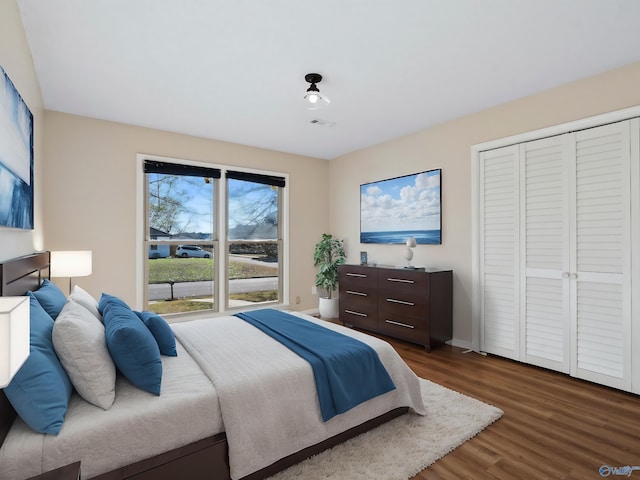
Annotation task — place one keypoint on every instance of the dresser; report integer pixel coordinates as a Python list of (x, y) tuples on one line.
[(412, 305)]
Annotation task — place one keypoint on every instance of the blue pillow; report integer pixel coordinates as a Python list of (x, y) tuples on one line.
[(41, 389), (50, 297), (132, 347), (161, 331), (106, 299)]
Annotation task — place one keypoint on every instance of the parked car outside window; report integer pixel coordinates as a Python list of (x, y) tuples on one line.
[(186, 251)]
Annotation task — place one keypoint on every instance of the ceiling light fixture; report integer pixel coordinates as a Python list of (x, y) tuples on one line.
[(313, 98)]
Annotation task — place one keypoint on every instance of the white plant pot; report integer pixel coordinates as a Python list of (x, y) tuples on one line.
[(328, 307)]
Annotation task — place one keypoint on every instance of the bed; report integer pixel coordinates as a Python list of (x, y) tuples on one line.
[(195, 428)]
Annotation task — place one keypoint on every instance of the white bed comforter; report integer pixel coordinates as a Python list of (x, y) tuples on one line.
[(138, 425), (267, 393)]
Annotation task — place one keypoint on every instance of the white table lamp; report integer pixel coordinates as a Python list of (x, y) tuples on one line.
[(14, 336), (72, 263), (408, 253)]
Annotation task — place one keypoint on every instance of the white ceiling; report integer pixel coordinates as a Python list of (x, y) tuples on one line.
[(233, 70)]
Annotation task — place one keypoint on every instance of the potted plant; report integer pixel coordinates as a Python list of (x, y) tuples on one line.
[(328, 254)]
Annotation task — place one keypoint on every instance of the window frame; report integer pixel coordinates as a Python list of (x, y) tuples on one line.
[(220, 241)]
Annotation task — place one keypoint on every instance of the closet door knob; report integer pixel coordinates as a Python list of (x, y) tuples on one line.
[(565, 274)]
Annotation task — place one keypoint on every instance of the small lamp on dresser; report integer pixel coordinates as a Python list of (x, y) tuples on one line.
[(408, 253), (14, 336)]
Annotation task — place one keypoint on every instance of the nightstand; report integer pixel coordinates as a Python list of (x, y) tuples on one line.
[(68, 472)]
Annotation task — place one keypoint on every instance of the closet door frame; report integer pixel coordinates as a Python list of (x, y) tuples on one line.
[(598, 120), (635, 255)]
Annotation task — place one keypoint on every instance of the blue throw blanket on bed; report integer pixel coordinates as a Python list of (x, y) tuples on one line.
[(347, 372)]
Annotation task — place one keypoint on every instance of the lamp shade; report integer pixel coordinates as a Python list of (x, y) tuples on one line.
[(71, 263), (14, 336), (411, 242)]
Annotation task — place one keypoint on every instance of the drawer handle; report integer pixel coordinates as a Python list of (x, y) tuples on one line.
[(401, 280), (356, 313), (402, 302), (399, 324), (351, 292), (359, 275)]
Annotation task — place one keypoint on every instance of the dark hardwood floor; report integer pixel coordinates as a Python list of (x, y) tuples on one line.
[(553, 427)]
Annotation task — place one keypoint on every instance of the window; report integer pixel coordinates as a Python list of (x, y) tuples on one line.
[(253, 238), (198, 263)]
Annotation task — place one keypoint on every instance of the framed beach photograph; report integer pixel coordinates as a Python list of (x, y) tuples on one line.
[(16, 157), (395, 209)]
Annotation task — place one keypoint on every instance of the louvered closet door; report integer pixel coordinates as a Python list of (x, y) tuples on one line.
[(601, 262), (499, 266), (546, 330)]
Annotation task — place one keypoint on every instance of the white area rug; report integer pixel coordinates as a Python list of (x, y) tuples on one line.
[(401, 448)]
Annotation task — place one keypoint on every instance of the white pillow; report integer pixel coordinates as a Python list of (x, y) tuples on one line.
[(85, 299), (79, 341)]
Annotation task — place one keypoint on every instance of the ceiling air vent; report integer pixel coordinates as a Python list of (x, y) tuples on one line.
[(322, 123)]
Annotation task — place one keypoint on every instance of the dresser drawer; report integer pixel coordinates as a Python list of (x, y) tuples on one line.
[(409, 282), (358, 279), (363, 315), (411, 329), (403, 304), (360, 296)]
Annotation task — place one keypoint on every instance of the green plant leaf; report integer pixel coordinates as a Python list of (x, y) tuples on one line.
[(327, 255)]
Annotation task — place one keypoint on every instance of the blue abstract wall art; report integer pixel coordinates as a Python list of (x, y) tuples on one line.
[(16, 157)]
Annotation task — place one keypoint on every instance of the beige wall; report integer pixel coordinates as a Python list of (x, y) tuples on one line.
[(90, 196), (448, 146), (15, 58)]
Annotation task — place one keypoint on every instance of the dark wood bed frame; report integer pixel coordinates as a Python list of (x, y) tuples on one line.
[(200, 460)]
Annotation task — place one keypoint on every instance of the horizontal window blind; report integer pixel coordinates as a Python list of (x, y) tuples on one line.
[(167, 168), (256, 178)]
